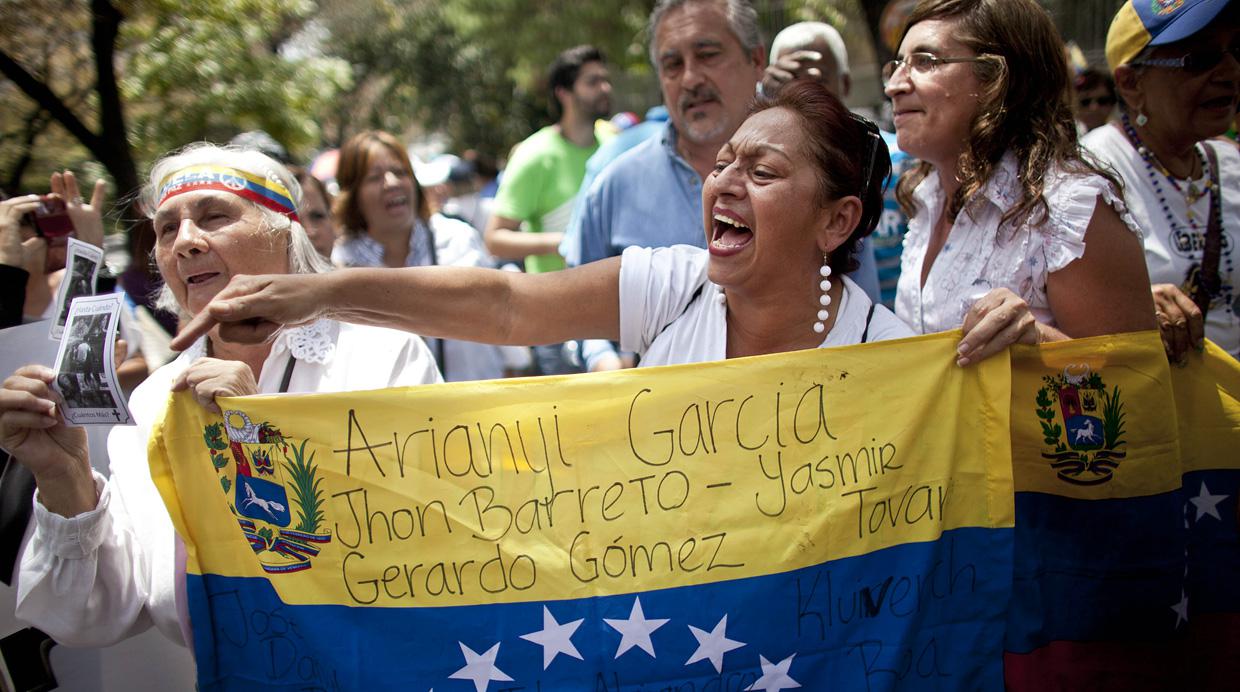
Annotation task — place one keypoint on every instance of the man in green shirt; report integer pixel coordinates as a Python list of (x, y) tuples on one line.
[(546, 169), (535, 197)]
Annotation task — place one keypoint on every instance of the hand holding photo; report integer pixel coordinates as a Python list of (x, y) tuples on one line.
[(85, 365), (81, 269)]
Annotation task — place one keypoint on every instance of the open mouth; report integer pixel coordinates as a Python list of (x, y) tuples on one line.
[(201, 278), (397, 202), (729, 233)]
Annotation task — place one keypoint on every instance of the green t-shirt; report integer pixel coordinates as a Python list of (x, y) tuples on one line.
[(539, 186)]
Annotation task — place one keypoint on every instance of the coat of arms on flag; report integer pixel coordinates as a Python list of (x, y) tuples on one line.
[(273, 488), (1082, 424)]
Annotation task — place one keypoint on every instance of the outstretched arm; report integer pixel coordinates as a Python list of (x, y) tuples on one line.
[(464, 303)]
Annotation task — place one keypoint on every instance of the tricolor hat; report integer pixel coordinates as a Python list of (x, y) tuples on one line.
[(1141, 23)]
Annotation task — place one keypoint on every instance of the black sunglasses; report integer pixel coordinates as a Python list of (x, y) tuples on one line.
[(1197, 62), (1087, 101)]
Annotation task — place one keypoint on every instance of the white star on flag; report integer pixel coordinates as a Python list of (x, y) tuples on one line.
[(554, 638), (713, 645), (1181, 609), (1207, 503), (480, 668), (636, 630), (775, 676)]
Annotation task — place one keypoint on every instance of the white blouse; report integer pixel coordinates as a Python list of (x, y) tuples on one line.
[(107, 574), (982, 254), (670, 312)]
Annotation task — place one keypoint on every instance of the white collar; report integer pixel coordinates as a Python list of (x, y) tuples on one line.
[(314, 342)]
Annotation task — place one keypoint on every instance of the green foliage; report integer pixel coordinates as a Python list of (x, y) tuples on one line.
[(219, 461), (517, 31), (1113, 419), (267, 535), (414, 69), (306, 489), (225, 484), (218, 66), (1045, 399), (213, 435)]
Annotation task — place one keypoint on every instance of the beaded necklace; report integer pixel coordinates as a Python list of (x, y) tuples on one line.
[(1191, 193), (1210, 186)]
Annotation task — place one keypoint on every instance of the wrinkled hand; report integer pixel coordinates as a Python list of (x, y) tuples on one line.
[(1180, 322), (12, 251), (995, 321), (87, 218), (209, 378), (251, 309), (32, 429), (790, 66)]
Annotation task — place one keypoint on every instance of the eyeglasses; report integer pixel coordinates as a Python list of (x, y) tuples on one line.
[(925, 63), (1196, 62), (1104, 101)]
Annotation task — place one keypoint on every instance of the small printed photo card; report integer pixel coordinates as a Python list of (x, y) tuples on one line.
[(86, 366), (82, 263)]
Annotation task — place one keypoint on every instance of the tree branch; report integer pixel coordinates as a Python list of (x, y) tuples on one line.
[(106, 21), (48, 101)]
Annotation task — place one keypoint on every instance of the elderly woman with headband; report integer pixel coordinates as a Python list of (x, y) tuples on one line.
[(1178, 76), (104, 562), (1012, 235), (798, 185)]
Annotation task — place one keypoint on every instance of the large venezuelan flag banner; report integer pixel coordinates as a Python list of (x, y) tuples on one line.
[(1127, 556), (828, 519)]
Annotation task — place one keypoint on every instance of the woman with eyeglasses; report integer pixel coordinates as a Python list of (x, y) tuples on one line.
[(1178, 76), (1012, 237)]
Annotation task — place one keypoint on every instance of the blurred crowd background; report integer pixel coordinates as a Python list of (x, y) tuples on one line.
[(102, 87)]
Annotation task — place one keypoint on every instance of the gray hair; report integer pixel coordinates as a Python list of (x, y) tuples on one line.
[(302, 257), (742, 20), (804, 34)]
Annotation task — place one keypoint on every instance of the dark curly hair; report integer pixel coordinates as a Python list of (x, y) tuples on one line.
[(1025, 104)]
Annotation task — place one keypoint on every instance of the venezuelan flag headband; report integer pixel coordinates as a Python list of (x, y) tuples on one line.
[(267, 192)]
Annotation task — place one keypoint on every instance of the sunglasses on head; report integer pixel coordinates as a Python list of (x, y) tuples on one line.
[(1087, 101), (1197, 61)]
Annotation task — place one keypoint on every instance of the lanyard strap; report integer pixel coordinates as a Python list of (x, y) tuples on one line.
[(439, 346), (1208, 280), (288, 374)]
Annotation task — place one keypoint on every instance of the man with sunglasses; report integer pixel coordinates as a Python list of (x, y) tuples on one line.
[(1095, 98), (1177, 72)]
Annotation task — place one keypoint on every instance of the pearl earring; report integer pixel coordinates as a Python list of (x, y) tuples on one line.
[(1142, 119), (824, 300)]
